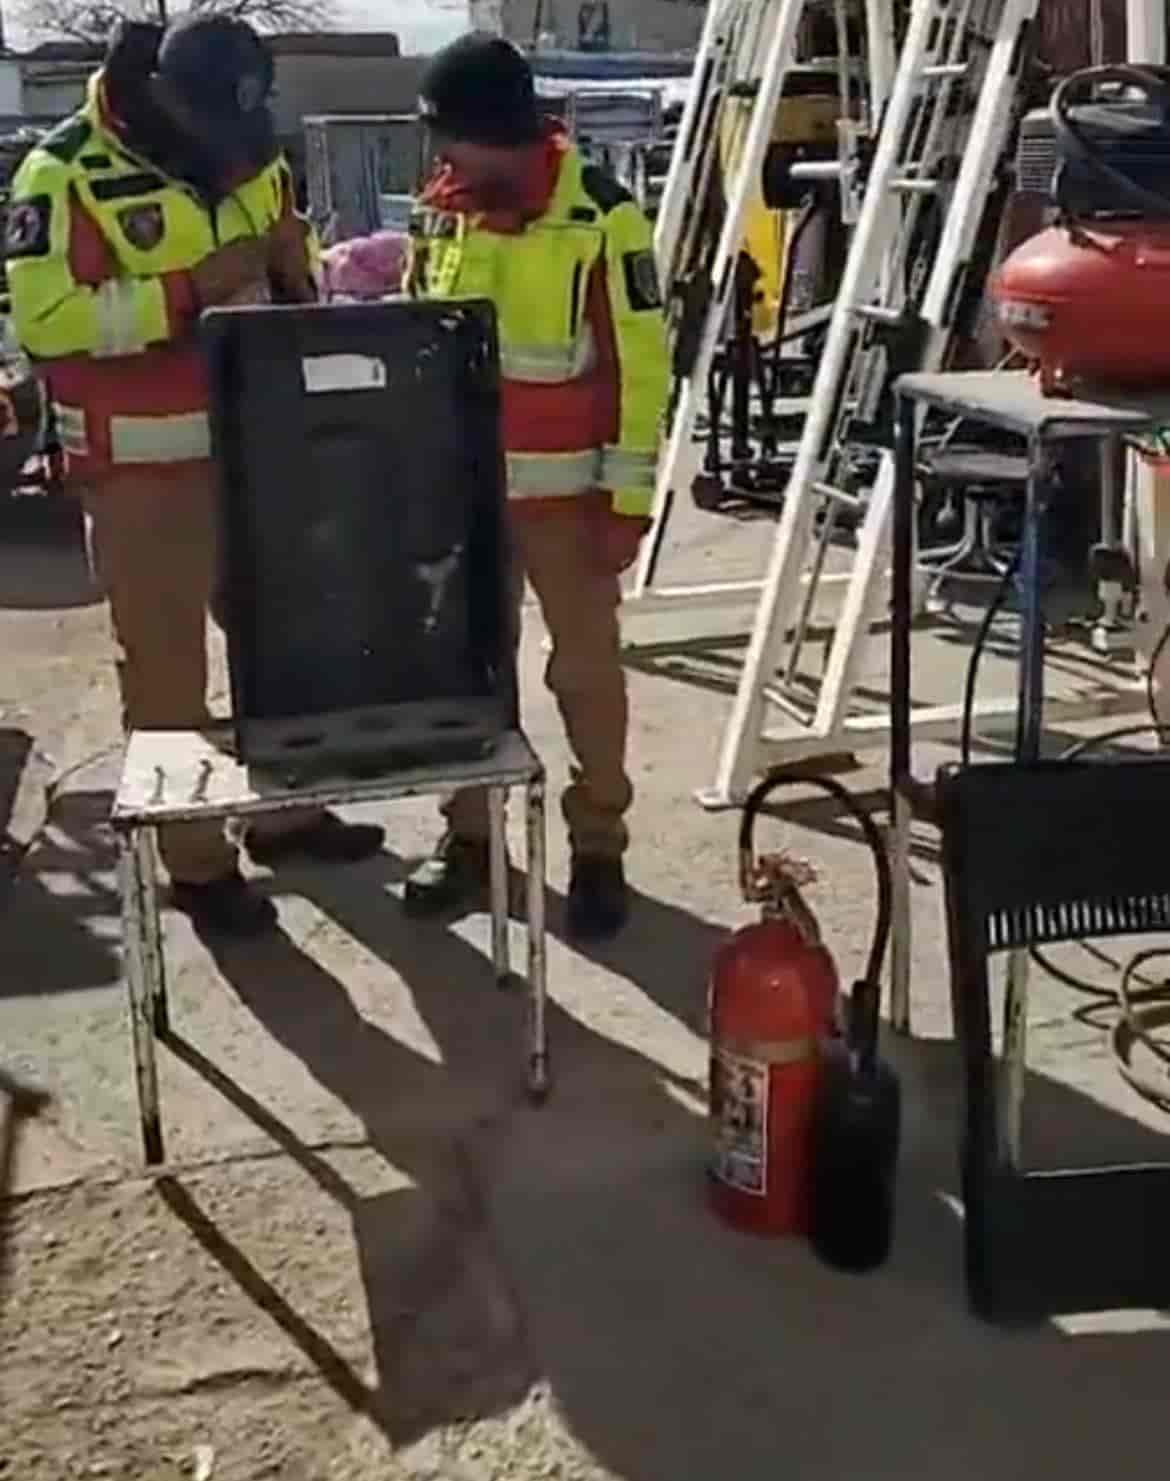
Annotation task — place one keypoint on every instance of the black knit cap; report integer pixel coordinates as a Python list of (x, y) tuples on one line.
[(480, 89), (218, 63)]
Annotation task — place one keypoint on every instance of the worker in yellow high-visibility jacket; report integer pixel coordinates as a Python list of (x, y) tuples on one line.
[(515, 215), (166, 194)]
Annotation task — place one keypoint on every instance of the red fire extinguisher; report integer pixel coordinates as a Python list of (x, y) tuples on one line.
[(774, 1008)]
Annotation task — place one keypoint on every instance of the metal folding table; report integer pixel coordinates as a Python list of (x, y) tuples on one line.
[(189, 776)]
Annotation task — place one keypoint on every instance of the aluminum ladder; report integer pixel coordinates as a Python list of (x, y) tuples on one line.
[(954, 99)]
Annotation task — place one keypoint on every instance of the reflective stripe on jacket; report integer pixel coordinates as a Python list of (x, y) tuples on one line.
[(100, 246), (581, 333)]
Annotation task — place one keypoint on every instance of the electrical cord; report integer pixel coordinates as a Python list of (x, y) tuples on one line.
[(972, 678), (1140, 1011), (1151, 671), (1140, 1015)]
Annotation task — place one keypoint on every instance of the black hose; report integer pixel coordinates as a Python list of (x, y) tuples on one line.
[(1073, 142), (1155, 657), (969, 683), (790, 776)]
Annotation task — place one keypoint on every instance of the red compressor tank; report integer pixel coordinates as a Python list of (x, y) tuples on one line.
[(1089, 298), (1091, 302), (773, 1003)]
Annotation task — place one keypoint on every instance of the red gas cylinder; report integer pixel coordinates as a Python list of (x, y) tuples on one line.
[(1091, 303), (773, 1004)]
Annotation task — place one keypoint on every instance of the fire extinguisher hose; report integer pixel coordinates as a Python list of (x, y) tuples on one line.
[(865, 1003)]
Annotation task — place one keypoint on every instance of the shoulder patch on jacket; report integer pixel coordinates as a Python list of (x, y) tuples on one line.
[(27, 229), (68, 139), (601, 188), (641, 274)]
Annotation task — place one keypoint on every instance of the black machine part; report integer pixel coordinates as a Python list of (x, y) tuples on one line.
[(365, 549), (857, 1125), (1102, 146)]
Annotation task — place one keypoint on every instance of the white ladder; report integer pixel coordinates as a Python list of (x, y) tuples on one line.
[(747, 49), (953, 50)]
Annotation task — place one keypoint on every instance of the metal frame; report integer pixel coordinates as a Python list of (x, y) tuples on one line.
[(183, 776), (1011, 400), (933, 55)]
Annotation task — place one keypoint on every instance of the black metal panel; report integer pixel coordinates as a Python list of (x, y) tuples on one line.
[(363, 529), (1056, 850), (1035, 853)]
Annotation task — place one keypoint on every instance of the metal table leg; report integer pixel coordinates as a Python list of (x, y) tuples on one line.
[(1029, 723), (143, 963), (538, 1060), (1031, 677), (901, 612), (498, 849), (147, 846)]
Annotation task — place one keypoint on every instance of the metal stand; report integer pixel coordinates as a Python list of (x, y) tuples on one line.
[(188, 776), (1012, 401)]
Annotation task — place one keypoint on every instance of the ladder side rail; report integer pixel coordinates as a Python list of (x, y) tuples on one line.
[(990, 127), (714, 47), (881, 55), (925, 127), (779, 56)]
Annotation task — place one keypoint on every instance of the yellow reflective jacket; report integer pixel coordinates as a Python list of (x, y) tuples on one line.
[(99, 247), (560, 345)]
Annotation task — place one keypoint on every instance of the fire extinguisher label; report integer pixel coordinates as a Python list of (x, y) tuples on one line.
[(739, 1112)]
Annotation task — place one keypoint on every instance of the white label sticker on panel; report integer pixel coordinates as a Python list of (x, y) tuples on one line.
[(343, 373)]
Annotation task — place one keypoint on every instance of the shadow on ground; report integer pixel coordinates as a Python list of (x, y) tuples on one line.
[(573, 1243), (59, 891)]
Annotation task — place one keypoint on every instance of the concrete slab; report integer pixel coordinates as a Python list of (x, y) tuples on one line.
[(368, 1258)]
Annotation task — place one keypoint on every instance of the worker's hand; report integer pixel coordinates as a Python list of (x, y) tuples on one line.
[(619, 538), (288, 261), (230, 272)]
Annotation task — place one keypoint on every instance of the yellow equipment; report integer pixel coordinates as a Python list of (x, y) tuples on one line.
[(806, 120)]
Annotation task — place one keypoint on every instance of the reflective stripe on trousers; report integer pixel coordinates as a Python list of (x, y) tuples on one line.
[(625, 470), (176, 439), (551, 475), (184, 438), (71, 429)]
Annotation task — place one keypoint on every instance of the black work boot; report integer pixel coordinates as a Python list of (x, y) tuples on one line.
[(325, 840), (457, 875), (599, 904), (224, 907)]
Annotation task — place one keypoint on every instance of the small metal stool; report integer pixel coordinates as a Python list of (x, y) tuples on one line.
[(976, 477), (187, 776)]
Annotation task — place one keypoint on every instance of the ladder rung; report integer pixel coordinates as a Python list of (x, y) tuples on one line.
[(816, 169), (879, 314), (914, 186), (939, 71), (839, 496)]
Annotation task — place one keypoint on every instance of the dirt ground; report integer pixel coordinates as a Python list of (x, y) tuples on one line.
[(368, 1258)]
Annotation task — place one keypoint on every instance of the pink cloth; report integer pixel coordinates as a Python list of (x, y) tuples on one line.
[(366, 267)]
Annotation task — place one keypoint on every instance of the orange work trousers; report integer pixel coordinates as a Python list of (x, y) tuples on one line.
[(153, 546), (559, 551)]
